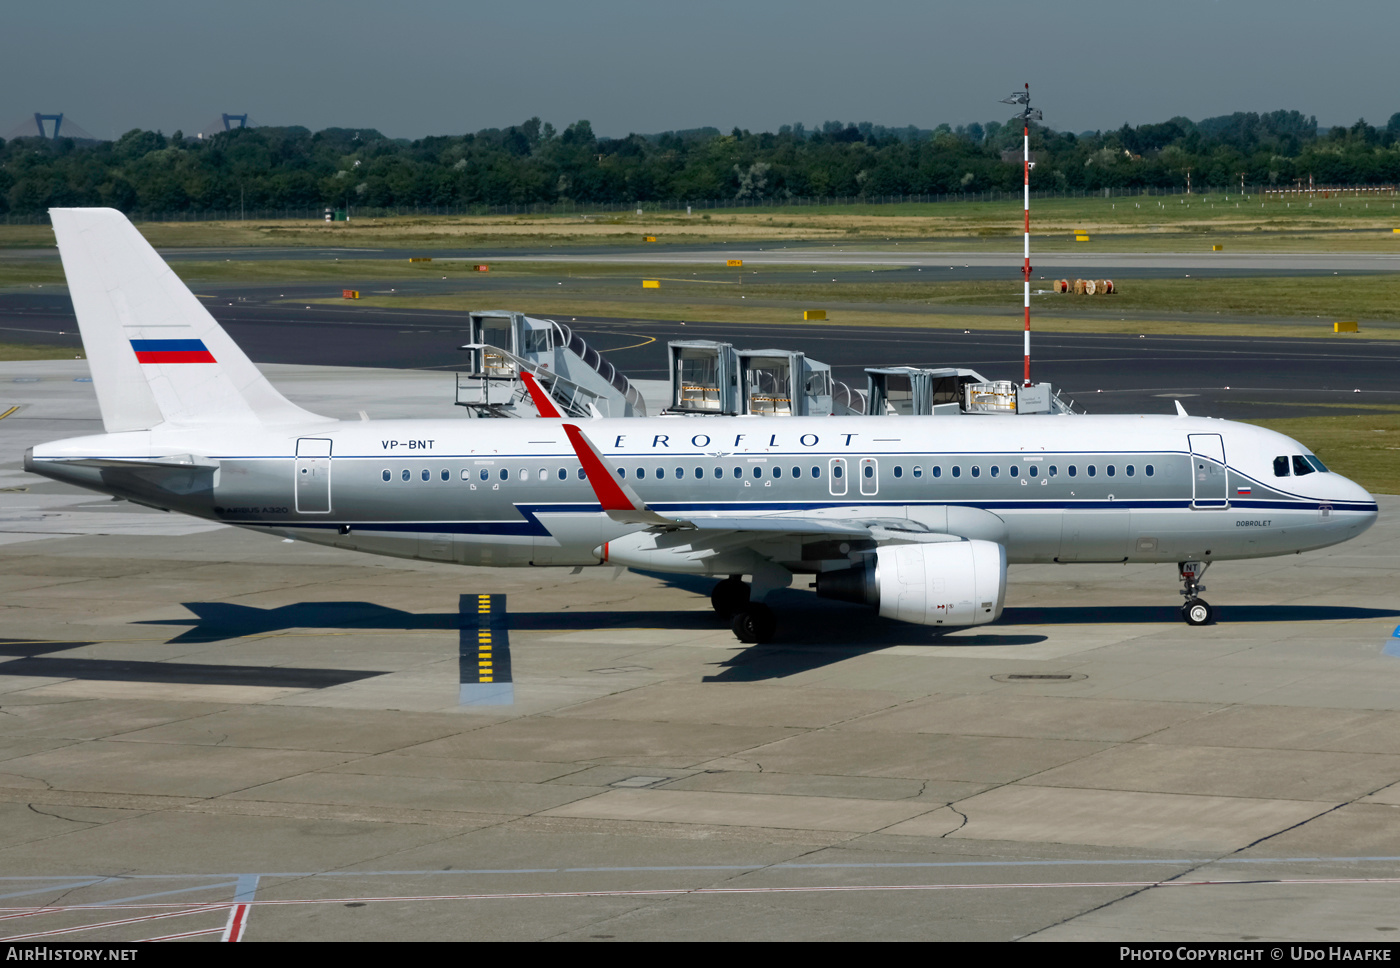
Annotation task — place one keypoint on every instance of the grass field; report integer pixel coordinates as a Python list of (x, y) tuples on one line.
[(1363, 447), (35, 351), (1139, 224)]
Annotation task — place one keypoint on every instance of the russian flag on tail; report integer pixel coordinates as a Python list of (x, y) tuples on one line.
[(172, 351)]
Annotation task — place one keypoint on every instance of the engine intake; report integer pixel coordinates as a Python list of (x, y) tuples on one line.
[(949, 583)]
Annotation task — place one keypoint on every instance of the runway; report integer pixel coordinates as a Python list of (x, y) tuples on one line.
[(1224, 376), (213, 735)]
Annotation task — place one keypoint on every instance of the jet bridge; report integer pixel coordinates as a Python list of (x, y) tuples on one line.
[(505, 344)]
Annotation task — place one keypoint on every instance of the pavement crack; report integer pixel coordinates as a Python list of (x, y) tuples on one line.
[(959, 826), (49, 813)]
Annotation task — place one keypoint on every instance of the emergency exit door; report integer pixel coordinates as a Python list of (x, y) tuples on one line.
[(313, 475)]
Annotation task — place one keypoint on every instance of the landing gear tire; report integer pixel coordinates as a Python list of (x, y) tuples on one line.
[(729, 597), (756, 623), (1197, 612)]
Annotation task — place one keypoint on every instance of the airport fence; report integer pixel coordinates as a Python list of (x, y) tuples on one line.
[(570, 207)]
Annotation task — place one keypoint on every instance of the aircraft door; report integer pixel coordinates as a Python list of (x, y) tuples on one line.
[(313, 475), (869, 476), (1208, 478), (836, 475)]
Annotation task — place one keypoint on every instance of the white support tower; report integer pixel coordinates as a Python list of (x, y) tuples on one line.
[(1027, 115)]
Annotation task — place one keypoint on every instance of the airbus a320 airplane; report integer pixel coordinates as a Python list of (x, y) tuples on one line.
[(917, 517)]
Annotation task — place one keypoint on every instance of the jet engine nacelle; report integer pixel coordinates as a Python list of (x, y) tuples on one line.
[(947, 583)]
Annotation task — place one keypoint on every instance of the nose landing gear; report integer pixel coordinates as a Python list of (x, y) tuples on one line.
[(1195, 611)]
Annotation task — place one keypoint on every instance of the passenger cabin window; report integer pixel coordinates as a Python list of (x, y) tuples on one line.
[(976, 471), (1034, 471), (563, 474), (898, 471), (582, 474), (1131, 470), (837, 471), (1149, 470), (957, 470), (777, 472), (937, 471), (817, 473), (505, 474), (387, 476), (524, 474), (918, 471), (996, 471), (407, 474), (738, 472), (1093, 471), (1014, 470), (1112, 471), (1280, 466)]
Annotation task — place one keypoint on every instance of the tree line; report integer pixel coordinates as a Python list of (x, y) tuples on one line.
[(146, 172)]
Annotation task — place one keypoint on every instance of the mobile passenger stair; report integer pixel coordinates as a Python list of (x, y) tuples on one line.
[(577, 378)]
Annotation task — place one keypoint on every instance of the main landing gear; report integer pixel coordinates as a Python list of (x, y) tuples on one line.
[(1195, 611), (752, 622)]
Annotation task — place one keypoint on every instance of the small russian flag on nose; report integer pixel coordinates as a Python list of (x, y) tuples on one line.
[(172, 351), (1244, 490)]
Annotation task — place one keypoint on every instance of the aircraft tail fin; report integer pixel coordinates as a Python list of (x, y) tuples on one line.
[(156, 355)]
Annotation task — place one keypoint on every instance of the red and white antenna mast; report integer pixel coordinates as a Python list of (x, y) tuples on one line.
[(1027, 115)]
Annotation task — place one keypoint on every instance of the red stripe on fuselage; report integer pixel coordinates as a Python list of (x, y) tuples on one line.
[(175, 356)]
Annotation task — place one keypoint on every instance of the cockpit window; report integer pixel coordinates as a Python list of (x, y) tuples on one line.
[(1280, 466), (1301, 466), (1317, 464)]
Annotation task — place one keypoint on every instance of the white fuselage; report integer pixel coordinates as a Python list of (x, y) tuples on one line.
[(510, 492)]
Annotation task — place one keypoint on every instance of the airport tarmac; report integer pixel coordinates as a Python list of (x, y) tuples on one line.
[(208, 733)]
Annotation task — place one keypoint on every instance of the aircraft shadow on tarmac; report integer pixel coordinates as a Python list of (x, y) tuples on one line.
[(814, 633), (217, 621), (32, 658)]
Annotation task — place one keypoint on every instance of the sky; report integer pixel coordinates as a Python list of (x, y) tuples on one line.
[(434, 67)]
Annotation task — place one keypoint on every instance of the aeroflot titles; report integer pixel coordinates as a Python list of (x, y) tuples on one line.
[(659, 440), (703, 440)]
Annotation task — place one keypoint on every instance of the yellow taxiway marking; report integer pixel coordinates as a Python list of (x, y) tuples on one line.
[(8, 412)]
